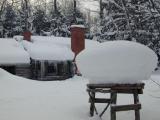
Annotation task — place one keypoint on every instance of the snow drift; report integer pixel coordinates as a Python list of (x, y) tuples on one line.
[(117, 62)]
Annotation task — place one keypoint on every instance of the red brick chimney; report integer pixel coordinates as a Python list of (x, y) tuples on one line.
[(27, 36), (77, 42), (77, 38)]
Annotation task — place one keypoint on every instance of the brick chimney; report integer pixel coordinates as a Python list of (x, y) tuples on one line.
[(27, 36), (77, 38)]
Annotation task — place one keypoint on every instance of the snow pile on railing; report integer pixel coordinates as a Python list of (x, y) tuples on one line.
[(117, 62), (12, 52)]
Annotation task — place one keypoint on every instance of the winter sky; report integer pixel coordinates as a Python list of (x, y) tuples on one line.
[(89, 5)]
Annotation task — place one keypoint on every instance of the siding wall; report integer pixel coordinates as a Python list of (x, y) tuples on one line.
[(43, 70)]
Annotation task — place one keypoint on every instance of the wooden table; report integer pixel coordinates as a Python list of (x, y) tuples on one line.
[(113, 90)]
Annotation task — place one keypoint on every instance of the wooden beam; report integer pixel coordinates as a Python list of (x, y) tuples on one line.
[(100, 100), (125, 107)]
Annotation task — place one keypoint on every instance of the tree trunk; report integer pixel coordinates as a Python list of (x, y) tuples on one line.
[(101, 10), (2, 7), (127, 17), (55, 7), (26, 11), (74, 10)]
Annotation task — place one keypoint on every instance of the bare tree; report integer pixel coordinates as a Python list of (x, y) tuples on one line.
[(101, 9), (55, 7), (74, 10), (27, 12), (2, 7), (127, 17)]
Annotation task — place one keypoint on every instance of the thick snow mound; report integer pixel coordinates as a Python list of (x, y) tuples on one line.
[(117, 62)]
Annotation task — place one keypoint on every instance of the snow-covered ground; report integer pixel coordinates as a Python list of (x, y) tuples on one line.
[(41, 48), (24, 99)]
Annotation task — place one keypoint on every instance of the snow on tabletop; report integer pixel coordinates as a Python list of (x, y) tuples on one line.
[(78, 26), (117, 62), (24, 99), (12, 52)]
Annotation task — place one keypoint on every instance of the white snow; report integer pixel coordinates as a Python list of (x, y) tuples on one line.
[(105, 1), (18, 38), (52, 48), (117, 62), (52, 40), (78, 26), (61, 41), (48, 51), (24, 99), (12, 52)]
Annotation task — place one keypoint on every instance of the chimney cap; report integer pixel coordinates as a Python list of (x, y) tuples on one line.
[(78, 26)]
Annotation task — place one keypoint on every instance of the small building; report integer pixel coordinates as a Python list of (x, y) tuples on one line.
[(51, 58), (42, 58)]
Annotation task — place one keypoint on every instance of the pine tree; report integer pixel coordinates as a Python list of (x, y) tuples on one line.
[(39, 22), (10, 21), (131, 20)]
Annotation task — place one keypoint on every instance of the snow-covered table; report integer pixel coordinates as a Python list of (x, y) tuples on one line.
[(117, 67)]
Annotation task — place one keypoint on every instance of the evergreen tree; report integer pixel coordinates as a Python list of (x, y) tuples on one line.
[(132, 20), (10, 21), (39, 22), (59, 26)]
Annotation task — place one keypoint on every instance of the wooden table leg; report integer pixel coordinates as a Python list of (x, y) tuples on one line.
[(113, 101), (92, 105), (136, 100)]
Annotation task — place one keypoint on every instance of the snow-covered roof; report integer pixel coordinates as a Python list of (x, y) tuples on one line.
[(52, 48), (117, 62), (12, 52), (18, 38), (48, 51)]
